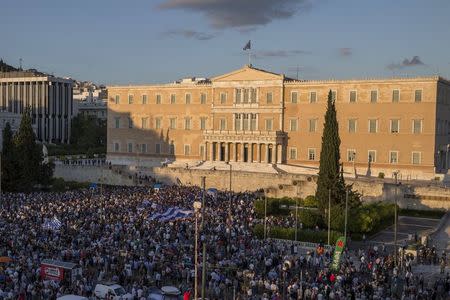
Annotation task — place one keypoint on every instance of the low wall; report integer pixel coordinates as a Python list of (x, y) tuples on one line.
[(410, 195)]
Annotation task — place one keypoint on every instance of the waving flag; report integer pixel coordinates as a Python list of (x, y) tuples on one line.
[(248, 46), (52, 224), (171, 214)]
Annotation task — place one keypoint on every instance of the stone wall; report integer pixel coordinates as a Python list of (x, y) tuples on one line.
[(409, 195)]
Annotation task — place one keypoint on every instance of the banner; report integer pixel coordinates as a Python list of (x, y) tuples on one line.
[(52, 272), (340, 244)]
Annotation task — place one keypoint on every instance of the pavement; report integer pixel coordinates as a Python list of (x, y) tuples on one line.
[(406, 226)]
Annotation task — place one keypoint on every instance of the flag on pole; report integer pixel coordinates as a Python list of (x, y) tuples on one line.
[(248, 46), (340, 244)]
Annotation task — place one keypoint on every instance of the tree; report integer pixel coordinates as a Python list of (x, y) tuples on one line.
[(329, 171), (9, 162), (88, 132)]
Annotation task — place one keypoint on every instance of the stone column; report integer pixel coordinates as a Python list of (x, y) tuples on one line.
[(266, 160), (258, 153), (242, 152), (211, 151), (219, 151), (279, 154), (227, 152), (250, 152), (274, 153)]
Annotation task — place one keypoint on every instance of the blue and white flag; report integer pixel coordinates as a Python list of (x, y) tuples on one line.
[(212, 192), (172, 214), (52, 224)]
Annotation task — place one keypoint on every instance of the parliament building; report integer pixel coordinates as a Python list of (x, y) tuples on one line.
[(252, 116)]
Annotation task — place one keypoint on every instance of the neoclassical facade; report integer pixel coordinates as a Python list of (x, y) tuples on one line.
[(253, 116)]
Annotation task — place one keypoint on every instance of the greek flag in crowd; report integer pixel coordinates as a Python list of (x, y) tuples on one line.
[(212, 192), (172, 214), (52, 224)]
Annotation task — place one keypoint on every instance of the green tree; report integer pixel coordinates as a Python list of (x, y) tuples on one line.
[(88, 132), (329, 171), (9, 162), (29, 154)]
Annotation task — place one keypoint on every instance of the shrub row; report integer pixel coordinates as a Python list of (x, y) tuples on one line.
[(303, 235), (434, 214), (280, 206)]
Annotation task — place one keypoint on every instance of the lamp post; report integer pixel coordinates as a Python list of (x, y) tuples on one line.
[(265, 215), (346, 213), (329, 215), (204, 239), (296, 215), (395, 220), (197, 207)]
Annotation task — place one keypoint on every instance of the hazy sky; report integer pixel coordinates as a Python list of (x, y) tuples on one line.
[(137, 41)]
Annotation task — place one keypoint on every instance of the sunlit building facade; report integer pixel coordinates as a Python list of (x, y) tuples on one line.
[(252, 116)]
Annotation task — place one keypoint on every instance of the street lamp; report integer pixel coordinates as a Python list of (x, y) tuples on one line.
[(395, 219), (329, 215), (346, 213), (197, 207), (296, 215)]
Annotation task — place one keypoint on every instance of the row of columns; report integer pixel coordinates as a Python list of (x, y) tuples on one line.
[(272, 152)]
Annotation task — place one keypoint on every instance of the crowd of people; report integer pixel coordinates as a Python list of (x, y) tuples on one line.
[(112, 235)]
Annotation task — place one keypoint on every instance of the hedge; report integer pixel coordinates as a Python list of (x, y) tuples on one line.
[(303, 235), (280, 206)]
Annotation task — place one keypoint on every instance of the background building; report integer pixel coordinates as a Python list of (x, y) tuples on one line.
[(251, 116), (49, 97)]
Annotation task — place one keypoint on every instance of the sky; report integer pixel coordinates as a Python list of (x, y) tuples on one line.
[(154, 41)]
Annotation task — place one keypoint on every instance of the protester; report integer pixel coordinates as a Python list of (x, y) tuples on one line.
[(122, 234)]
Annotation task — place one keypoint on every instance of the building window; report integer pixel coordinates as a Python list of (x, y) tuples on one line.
[(313, 125), (116, 147), (117, 99), (173, 123), (373, 96), (351, 155), (311, 154), (395, 96), (202, 98), (246, 122), (117, 121), (158, 148), (144, 99), (293, 153), (269, 98), (188, 98), (253, 95), (187, 150), (353, 96), (253, 122), (223, 98), (158, 99), (238, 95), (130, 99), (293, 125), (372, 156), (158, 123), (416, 158), (294, 97), (203, 123), (130, 147), (418, 96), (223, 124), (373, 126), (237, 122), (393, 157), (312, 97), (144, 148), (173, 99), (187, 123), (352, 125), (417, 126), (144, 123), (269, 124), (130, 122), (172, 149), (395, 126)]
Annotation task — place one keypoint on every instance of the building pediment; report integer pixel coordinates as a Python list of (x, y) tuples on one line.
[(248, 73)]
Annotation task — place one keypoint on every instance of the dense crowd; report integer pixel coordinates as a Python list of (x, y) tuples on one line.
[(112, 236)]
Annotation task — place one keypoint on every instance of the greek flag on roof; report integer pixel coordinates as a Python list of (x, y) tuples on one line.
[(52, 224)]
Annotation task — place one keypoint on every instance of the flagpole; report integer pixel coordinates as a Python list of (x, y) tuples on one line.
[(250, 57)]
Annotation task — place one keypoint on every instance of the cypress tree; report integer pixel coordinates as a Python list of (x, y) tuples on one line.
[(28, 152), (329, 170), (9, 161)]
